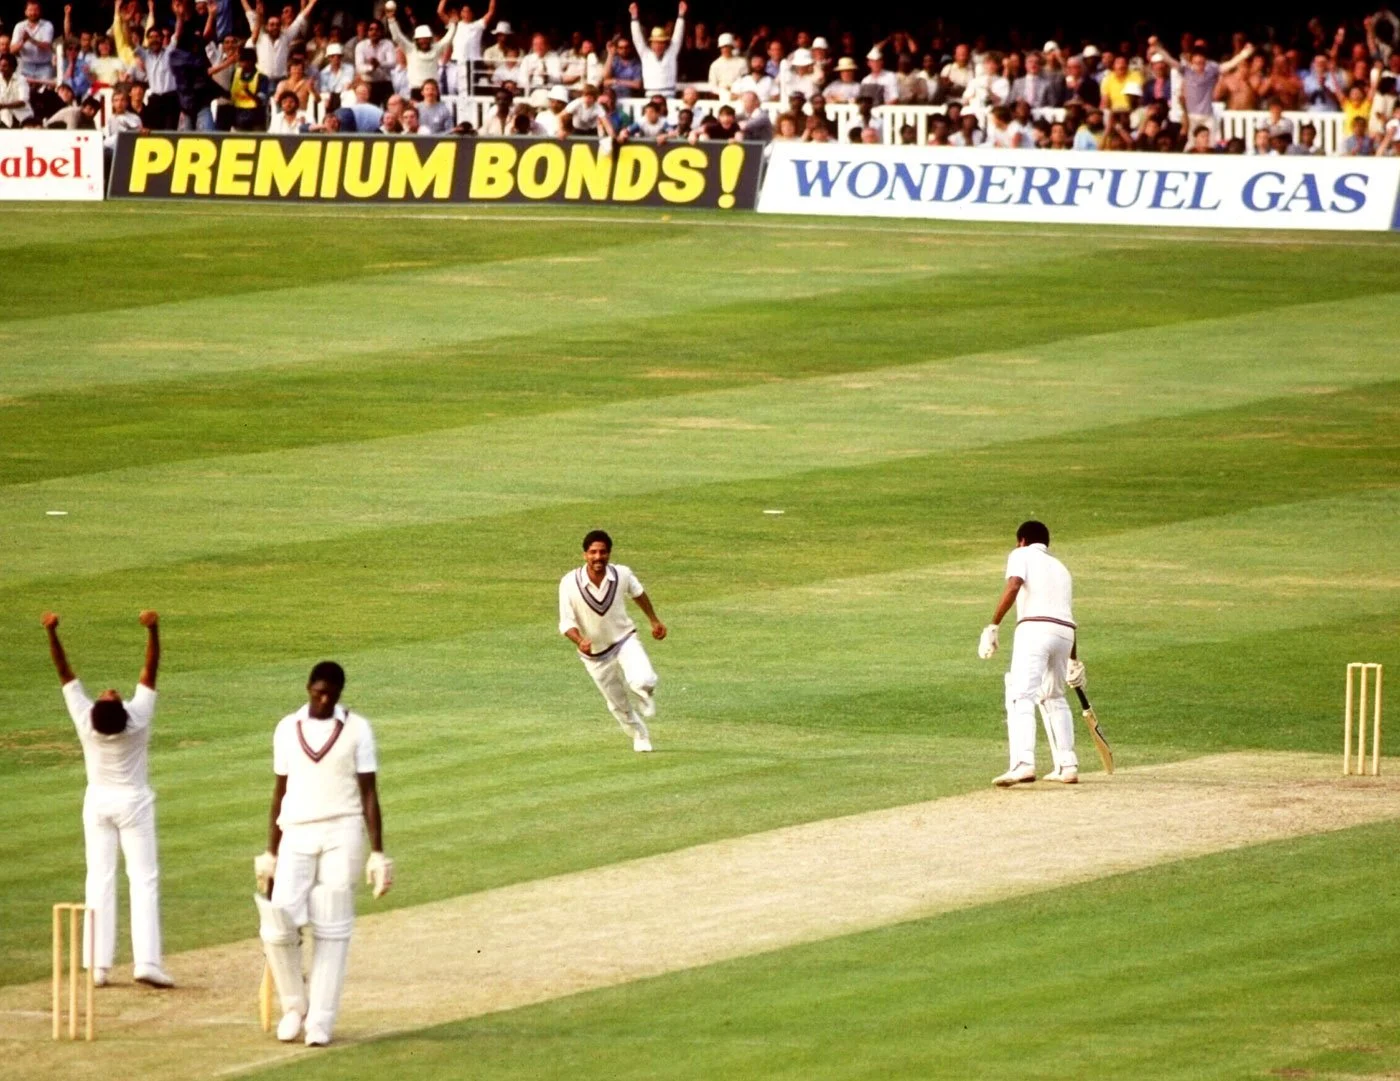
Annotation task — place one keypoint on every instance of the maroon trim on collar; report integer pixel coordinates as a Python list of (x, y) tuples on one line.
[(316, 756)]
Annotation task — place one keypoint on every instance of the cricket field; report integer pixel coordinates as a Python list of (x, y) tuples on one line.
[(379, 436)]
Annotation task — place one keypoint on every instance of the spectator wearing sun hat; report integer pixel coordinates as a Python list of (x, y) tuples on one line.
[(659, 52), (799, 77), (879, 79), (337, 76), (551, 117), (845, 88), (727, 68), (821, 60), (422, 56)]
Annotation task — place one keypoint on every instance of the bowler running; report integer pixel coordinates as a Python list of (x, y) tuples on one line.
[(593, 616)]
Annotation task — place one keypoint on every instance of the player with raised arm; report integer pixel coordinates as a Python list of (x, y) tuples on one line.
[(323, 757), (593, 616), (1041, 588), (119, 809)]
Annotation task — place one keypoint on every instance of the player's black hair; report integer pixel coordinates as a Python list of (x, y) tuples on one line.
[(329, 672), (108, 716), (593, 536), (1034, 532)]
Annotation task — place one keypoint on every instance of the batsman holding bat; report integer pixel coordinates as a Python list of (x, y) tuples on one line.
[(325, 798), (1043, 659)]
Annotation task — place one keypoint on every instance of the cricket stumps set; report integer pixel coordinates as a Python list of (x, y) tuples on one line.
[(1363, 696), (78, 928)]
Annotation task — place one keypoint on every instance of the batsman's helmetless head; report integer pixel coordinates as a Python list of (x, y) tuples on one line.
[(323, 688), (108, 713)]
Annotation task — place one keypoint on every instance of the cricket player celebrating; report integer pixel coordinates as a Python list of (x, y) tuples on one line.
[(1042, 658), (593, 616), (324, 761), (119, 809)]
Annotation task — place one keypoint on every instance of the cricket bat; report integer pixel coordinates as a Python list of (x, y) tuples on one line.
[(1092, 720)]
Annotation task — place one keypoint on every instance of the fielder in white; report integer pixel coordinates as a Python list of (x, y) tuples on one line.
[(1043, 657), (324, 760), (119, 809), (593, 616)]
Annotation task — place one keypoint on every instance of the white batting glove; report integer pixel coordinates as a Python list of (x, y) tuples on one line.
[(987, 645), (1074, 674), (379, 873), (265, 870)]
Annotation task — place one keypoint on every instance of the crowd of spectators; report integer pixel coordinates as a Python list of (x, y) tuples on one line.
[(204, 65)]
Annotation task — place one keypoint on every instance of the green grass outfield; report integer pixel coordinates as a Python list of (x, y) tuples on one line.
[(379, 436)]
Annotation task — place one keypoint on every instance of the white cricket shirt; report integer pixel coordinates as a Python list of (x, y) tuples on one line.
[(599, 613), (1046, 589), (117, 761), (321, 760)]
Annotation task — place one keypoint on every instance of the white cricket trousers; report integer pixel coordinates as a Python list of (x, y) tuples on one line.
[(323, 853), (126, 818), (1039, 654), (623, 668)]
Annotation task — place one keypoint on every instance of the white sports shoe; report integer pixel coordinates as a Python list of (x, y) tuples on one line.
[(1053, 775), (99, 977), (289, 1028), (641, 743), (1013, 777), (316, 1036), (1069, 775), (153, 976)]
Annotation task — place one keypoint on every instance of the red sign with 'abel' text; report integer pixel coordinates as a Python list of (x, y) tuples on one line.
[(37, 164)]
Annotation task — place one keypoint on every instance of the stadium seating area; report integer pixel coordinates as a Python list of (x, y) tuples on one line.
[(211, 66)]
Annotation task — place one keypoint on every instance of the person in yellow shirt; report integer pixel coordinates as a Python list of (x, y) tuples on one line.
[(1357, 103), (248, 93), (1121, 89)]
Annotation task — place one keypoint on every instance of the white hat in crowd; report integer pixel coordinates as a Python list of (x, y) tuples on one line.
[(726, 40), (334, 49), (1090, 50), (502, 27), (658, 33), (1051, 46), (559, 94), (539, 97), (820, 43), (874, 54), (801, 58), (422, 32), (846, 64)]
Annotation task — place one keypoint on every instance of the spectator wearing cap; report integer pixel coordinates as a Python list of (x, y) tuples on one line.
[(659, 52), (540, 67), (32, 42), (845, 88), (374, 63), (880, 82), (336, 77), (757, 81), (495, 53), (273, 41), (422, 56), (1081, 88), (799, 76), (1162, 85), (289, 119), (435, 116), (552, 118), (726, 68), (1038, 88), (821, 60), (988, 87)]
